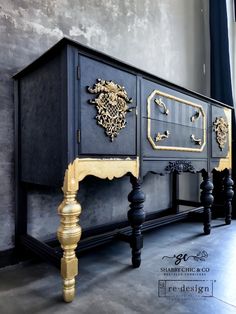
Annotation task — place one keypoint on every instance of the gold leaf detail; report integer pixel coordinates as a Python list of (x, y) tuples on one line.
[(221, 127), (111, 105)]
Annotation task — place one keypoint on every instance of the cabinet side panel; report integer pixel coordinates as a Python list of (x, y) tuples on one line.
[(40, 123)]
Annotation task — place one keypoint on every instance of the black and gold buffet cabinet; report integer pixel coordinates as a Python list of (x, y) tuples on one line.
[(80, 112)]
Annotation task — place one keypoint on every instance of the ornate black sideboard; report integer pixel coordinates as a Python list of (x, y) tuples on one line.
[(80, 112)]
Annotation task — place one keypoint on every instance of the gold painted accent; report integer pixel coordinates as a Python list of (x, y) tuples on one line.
[(161, 137), (197, 141), (105, 168), (111, 105), (195, 116), (69, 232), (161, 104), (174, 148), (226, 162), (221, 127)]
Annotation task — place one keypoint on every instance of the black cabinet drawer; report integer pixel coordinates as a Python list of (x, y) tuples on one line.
[(105, 129), (174, 137), (173, 122)]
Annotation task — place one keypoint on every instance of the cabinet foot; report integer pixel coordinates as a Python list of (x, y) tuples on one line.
[(207, 201), (136, 217), (229, 193)]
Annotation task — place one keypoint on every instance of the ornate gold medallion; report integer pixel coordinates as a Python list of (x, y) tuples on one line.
[(221, 127), (111, 105)]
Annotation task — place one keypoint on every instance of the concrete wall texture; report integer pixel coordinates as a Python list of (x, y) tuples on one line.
[(166, 37)]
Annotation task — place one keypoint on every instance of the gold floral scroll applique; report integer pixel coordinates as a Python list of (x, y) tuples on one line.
[(111, 105), (221, 127)]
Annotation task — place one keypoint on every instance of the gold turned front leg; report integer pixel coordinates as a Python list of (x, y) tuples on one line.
[(69, 233)]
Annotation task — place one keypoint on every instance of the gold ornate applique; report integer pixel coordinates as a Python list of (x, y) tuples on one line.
[(221, 128), (111, 105)]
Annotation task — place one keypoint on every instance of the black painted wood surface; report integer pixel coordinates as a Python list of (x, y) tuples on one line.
[(207, 200), (229, 194), (136, 217), (54, 105)]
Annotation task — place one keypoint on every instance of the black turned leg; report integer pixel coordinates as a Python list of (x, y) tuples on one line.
[(136, 217), (174, 206), (228, 193), (206, 200)]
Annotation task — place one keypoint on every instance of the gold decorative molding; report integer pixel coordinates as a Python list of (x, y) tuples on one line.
[(104, 168), (111, 105), (221, 127), (69, 232), (188, 103), (226, 162)]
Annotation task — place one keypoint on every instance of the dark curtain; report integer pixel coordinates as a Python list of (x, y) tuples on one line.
[(221, 88), (235, 10)]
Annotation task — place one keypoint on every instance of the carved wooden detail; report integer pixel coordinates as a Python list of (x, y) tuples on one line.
[(111, 105), (69, 232), (229, 194), (136, 217), (206, 200), (180, 166), (221, 127)]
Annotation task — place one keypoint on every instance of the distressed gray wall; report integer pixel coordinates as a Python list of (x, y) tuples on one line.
[(166, 37)]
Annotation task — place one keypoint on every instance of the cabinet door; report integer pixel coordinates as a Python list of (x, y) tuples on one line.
[(107, 122), (221, 132), (174, 124)]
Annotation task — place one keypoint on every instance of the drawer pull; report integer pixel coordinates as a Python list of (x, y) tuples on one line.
[(130, 109), (161, 104), (160, 137), (195, 116), (197, 141)]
